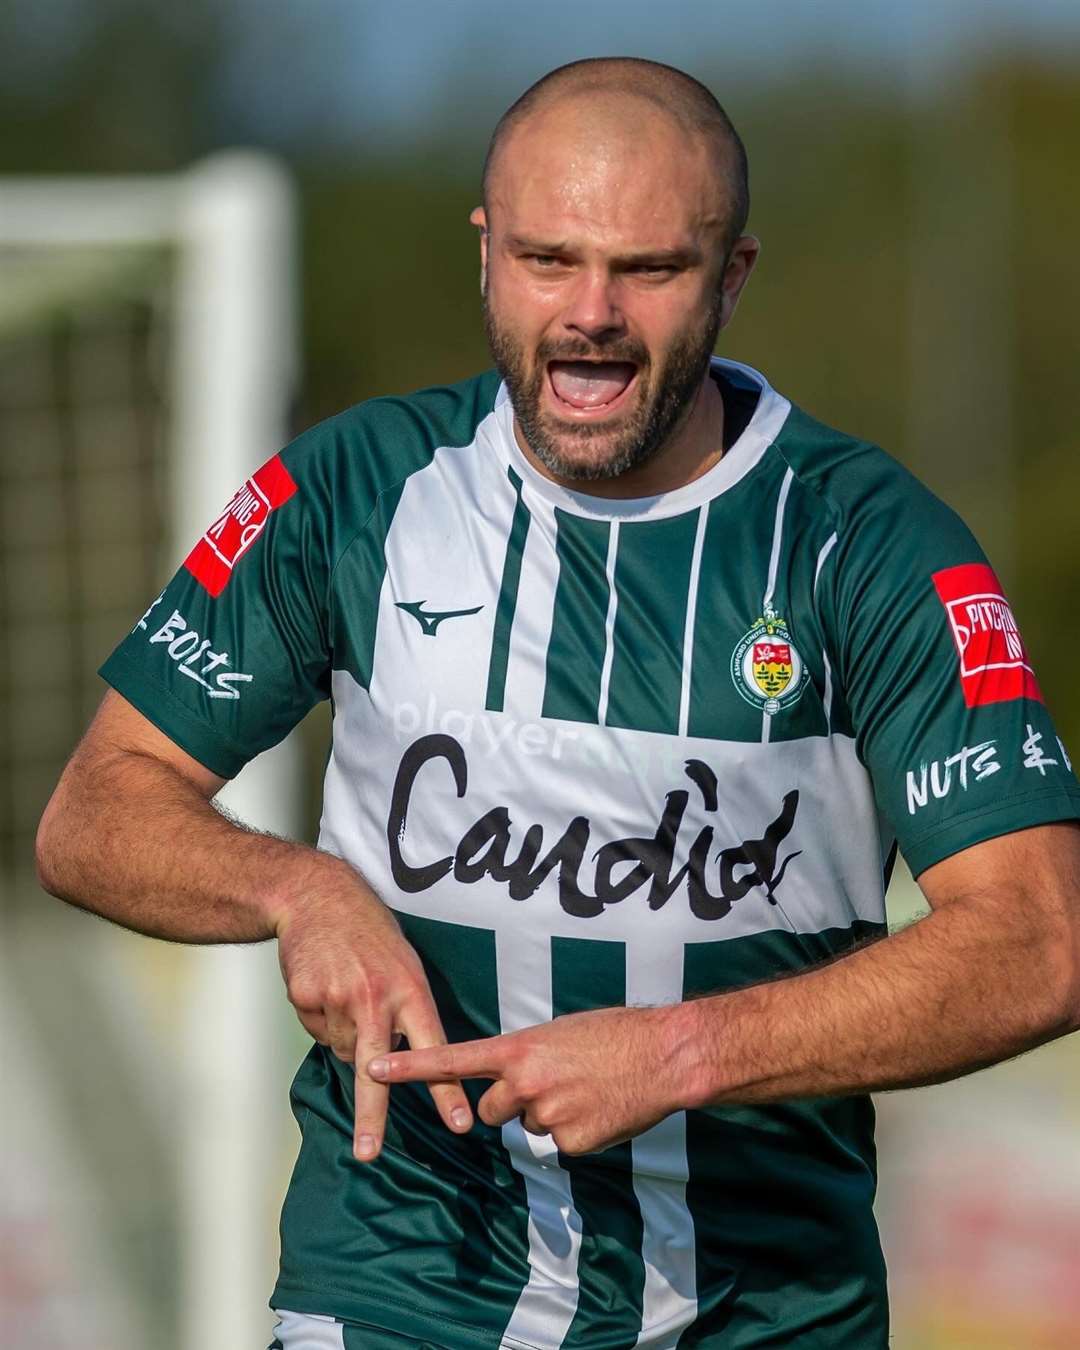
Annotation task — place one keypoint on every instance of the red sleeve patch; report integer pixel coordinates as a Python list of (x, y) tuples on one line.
[(994, 664), (213, 558)]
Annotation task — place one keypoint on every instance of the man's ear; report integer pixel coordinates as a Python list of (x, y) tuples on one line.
[(741, 261), (478, 217)]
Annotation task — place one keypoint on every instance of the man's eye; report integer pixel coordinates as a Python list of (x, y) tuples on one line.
[(544, 259), (653, 270)]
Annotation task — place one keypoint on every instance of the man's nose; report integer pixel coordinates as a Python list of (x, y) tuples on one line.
[(594, 310)]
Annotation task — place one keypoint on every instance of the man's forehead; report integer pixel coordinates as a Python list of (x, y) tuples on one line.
[(585, 165)]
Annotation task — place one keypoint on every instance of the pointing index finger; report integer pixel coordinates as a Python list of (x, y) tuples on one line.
[(442, 1063)]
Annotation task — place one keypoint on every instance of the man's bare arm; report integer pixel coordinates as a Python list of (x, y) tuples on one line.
[(994, 970), (130, 833)]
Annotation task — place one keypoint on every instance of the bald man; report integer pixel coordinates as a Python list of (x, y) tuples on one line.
[(640, 676)]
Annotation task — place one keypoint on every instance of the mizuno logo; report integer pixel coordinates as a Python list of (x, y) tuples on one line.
[(430, 622)]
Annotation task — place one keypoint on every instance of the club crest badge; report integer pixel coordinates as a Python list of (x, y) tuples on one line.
[(766, 667)]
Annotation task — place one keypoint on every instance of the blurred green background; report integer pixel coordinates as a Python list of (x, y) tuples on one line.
[(915, 185)]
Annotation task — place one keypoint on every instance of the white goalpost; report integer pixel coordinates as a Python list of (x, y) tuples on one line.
[(228, 224)]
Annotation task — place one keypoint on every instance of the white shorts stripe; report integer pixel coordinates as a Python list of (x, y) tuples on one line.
[(308, 1331)]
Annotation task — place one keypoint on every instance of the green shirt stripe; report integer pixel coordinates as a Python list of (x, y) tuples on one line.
[(507, 602), (652, 582), (730, 590), (575, 656)]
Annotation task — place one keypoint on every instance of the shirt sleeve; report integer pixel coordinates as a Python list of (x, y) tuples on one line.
[(235, 651), (946, 709)]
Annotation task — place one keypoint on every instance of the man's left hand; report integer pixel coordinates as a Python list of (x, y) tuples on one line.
[(589, 1079)]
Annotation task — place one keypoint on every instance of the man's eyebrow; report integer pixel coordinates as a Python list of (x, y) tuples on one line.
[(523, 244), (687, 255)]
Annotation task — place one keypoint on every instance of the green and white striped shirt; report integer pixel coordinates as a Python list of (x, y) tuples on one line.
[(597, 752)]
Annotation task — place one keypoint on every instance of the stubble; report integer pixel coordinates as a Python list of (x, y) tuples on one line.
[(589, 453)]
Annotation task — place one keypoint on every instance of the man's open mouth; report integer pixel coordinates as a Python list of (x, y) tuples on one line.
[(586, 386)]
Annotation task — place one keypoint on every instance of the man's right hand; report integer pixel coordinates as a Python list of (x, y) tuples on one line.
[(357, 985), (131, 802)]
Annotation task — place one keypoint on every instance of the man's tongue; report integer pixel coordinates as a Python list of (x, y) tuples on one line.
[(590, 384)]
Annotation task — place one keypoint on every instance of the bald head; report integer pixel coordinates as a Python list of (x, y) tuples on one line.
[(607, 88)]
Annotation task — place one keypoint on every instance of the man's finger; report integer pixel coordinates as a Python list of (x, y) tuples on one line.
[(341, 1034), (499, 1104), (372, 1040), (426, 1035), (442, 1063)]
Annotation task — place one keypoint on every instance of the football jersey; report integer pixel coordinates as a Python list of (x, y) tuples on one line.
[(595, 752)]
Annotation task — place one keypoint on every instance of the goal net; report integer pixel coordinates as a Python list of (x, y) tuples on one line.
[(147, 357)]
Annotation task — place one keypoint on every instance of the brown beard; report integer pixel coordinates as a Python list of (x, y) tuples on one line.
[(664, 395)]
